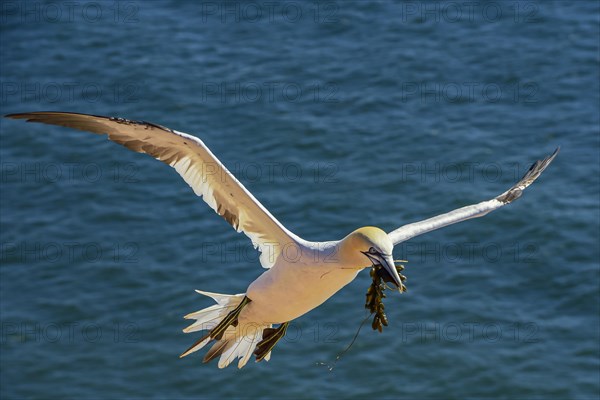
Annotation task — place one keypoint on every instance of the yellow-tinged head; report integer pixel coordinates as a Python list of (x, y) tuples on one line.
[(370, 245), (370, 236)]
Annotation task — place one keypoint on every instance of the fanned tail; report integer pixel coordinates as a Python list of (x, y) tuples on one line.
[(237, 341)]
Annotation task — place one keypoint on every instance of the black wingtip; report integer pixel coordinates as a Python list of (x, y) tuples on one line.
[(29, 116), (538, 167), (73, 119), (530, 176), (16, 116)]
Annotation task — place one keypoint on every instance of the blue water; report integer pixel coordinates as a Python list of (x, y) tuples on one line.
[(335, 115)]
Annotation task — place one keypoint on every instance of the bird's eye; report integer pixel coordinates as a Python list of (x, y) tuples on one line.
[(372, 250)]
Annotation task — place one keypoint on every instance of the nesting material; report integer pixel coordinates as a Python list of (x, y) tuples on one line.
[(375, 294)]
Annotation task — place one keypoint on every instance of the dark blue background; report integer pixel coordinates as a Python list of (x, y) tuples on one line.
[(335, 115)]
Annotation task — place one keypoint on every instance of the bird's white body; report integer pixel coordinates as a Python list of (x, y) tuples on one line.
[(300, 275), (298, 283)]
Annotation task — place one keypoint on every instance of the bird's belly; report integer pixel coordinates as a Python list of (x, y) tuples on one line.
[(283, 294)]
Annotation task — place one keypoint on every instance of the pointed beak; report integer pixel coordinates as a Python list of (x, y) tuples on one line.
[(387, 262)]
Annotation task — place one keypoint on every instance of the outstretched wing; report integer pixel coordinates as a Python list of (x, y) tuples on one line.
[(207, 176), (473, 211)]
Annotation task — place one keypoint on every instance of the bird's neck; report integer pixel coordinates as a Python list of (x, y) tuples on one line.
[(349, 254)]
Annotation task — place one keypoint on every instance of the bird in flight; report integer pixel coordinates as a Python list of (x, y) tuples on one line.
[(300, 275)]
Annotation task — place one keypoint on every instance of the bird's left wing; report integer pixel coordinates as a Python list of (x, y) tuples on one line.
[(473, 211), (196, 164)]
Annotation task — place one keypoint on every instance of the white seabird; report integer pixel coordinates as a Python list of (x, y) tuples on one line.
[(242, 324)]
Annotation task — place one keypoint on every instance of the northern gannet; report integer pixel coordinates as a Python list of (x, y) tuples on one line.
[(242, 324)]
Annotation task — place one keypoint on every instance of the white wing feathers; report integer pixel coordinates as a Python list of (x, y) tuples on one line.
[(473, 211), (196, 165), (227, 196)]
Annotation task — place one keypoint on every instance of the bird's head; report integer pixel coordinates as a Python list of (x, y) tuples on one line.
[(370, 245)]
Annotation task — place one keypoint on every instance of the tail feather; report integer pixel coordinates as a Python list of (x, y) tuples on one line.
[(215, 351), (203, 341), (208, 318), (222, 299), (250, 346), (201, 313), (231, 351), (237, 341), (241, 348)]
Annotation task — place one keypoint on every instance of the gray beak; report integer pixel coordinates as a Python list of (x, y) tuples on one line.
[(387, 262)]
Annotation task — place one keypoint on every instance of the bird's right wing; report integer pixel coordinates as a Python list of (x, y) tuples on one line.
[(196, 164), (473, 211)]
